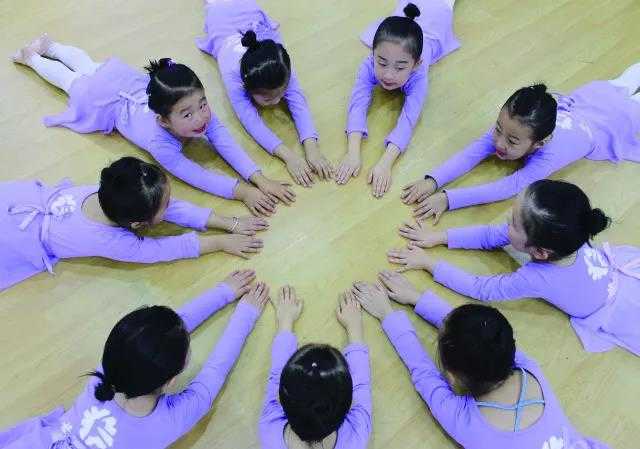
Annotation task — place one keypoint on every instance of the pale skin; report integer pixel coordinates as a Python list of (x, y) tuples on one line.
[(241, 283), (288, 308), (376, 300), (512, 140), (300, 168), (393, 66), (242, 243)]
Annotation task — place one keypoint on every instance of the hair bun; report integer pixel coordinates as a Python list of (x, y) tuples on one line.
[(156, 65), (249, 39), (411, 11), (539, 89), (104, 391), (598, 222)]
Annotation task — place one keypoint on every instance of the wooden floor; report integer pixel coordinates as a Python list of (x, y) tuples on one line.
[(53, 328)]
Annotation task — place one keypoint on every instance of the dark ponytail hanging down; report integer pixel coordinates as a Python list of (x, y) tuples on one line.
[(169, 82), (402, 30), (534, 107), (265, 64), (558, 216)]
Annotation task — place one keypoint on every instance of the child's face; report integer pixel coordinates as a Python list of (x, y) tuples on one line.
[(512, 139), (268, 97), (517, 235), (189, 117), (393, 65)]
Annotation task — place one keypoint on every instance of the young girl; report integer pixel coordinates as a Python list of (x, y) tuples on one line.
[(40, 225), (488, 395), (599, 121), (158, 112), (256, 70), (553, 223), (125, 404), (404, 45), (316, 396)]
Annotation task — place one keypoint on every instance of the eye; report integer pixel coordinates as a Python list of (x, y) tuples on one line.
[(498, 131), (188, 115), (512, 142)]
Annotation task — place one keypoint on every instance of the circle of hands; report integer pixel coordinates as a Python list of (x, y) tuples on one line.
[(261, 200)]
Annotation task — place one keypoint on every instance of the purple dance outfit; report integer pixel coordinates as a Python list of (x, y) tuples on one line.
[(597, 121), (225, 23), (460, 416), (91, 424), (40, 225), (114, 97), (605, 314), (436, 21), (355, 430)]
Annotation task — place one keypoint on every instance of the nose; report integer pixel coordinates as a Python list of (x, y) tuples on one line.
[(501, 143)]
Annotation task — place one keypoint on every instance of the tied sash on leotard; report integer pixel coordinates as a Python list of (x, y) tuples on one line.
[(56, 206), (132, 103)]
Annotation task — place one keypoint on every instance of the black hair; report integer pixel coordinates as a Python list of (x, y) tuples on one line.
[(557, 216), (402, 30), (265, 64), (476, 345), (146, 349), (316, 390), (131, 191), (169, 82), (535, 108)]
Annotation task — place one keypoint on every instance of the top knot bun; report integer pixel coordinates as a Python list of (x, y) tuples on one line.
[(249, 39), (411, 11)]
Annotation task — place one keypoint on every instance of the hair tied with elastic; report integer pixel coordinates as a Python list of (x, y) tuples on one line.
[(314, 365), (411, 11), (249, 40), (170, 63)]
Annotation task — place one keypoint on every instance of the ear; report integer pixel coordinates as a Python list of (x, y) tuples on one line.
[(540, 143), (417, 65), (163, 122), (541, 254), (138, 225)]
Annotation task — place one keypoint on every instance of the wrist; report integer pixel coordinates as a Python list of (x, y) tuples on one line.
[(258, 179), (285, 326), (389, 157), (240, 192), (217, 221), (283, 153), (443, 237), (429, 265), (355, 335), (432, 182), (310, 145)]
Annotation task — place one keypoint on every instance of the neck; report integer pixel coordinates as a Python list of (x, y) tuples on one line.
[(140, 407), (92, 210), (293, 441), (498, 391)]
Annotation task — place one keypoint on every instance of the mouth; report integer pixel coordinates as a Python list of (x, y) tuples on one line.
[(501, 154), (200, 130), (388, 85)]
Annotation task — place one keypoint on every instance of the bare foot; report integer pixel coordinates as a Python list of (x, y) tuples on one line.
[(24, 55)]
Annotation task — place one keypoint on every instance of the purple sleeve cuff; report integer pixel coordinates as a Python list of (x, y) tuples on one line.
[(432, 308)]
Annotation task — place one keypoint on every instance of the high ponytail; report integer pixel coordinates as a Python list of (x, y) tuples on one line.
[(535, 108), (265, 64), (557, 216), (404, 31)]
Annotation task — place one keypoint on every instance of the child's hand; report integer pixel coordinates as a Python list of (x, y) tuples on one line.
[(420, 236), (257, 296), (276, 190), (349, 167), (399, 287), (288, 308), (412, 258), (418, 191), (317, 160), (435, 206), (380, 178), (374, 299), (239, 245), (240, 282), (247, 225), (297, 166), (258, 203), (350, 316)]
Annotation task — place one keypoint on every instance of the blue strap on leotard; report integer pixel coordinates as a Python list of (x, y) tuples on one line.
[(517, 407)]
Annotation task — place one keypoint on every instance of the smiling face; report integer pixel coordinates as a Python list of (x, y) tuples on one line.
[(269, 97), (512, 139), (189, 117), (393, 65)]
